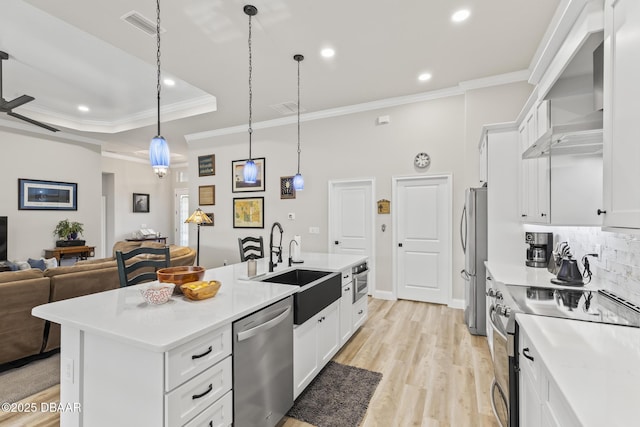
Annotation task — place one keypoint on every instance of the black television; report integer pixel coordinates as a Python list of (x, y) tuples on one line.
[(3, 238)]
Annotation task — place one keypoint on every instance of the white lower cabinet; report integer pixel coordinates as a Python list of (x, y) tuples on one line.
[(315, 342), (540, 402), (359, 313), (346, 321)]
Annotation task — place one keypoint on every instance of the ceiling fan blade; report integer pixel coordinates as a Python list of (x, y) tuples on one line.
[(33, 122), (14, 103)]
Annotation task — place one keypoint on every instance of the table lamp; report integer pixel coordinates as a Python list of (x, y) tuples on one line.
[(199, 218)]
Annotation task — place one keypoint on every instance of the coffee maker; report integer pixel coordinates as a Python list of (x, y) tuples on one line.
[(539, 250)]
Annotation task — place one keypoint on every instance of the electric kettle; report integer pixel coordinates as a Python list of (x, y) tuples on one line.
[(569, 273)]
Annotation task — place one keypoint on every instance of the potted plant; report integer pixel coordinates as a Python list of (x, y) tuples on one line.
[(67, 232)]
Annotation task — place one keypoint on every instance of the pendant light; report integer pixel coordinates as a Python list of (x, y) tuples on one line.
[(298, 181), (159, 149), (250, 170)]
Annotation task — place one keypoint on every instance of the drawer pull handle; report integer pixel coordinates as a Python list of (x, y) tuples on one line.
[(361, 311), (211, 423), (345, 277), (198, 396), (525, 353), (198, 356)]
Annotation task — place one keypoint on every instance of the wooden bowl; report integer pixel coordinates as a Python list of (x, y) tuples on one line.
[(180, 275), (201, 289)]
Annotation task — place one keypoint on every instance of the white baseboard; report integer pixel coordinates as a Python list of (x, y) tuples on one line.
[(388, 295), (457, 303)]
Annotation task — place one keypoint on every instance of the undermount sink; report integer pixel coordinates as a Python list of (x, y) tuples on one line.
[(319, 290)]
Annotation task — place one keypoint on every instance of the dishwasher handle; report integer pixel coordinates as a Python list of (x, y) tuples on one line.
[(245, 335)]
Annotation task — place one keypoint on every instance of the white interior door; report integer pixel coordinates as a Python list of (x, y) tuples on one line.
[(351, 210), (423, 238)]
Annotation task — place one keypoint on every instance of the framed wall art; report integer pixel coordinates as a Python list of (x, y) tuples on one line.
[(286, 188), (140, 202), (207, 165), (237, 180), (36, 194), (248, 212), (207, 195)]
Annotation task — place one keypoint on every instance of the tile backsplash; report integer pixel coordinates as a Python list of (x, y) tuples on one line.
[(618, 269)]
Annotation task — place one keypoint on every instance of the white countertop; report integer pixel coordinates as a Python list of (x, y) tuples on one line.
[(123, 315), (594, 365), (521, 275)]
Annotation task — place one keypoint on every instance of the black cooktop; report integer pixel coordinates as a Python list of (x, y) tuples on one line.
[(600, 306)]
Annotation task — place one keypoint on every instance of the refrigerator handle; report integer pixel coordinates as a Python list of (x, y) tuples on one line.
[(463, 234)]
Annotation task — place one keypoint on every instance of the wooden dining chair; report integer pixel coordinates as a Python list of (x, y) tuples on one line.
[(251, 248), (142, 269)]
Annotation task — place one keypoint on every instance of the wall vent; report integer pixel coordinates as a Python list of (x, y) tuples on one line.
[(141, 22), (287, 108)]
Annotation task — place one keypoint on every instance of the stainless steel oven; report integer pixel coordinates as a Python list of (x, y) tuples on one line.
[(359, 275), (503, 335)]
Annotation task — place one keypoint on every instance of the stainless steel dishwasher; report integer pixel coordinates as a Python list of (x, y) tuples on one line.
[(263, 366)]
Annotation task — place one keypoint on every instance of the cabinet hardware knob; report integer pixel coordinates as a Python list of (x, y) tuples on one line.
[(523, 215), (525, 353), (347, 289), (198, 356), (345, 277), (198, 396), (399, 245), (361, 311), (600, 212), (543, 214), (337, 242)]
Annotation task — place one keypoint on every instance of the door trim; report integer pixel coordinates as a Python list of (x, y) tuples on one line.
[(395, 180), (371, 182)]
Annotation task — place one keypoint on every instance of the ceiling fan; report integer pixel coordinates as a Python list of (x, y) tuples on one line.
[(8, 106)]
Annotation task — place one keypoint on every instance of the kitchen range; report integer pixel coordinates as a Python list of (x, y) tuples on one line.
[(533, 293)]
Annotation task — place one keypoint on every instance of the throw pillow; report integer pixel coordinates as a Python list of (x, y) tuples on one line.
[(50, 262), (22, 265), (12, 265), (37, 263)]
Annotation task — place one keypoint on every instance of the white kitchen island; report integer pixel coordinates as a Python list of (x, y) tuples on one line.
[(124, 362)]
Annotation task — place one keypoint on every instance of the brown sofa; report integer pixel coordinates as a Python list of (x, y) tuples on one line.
[(24, 335)]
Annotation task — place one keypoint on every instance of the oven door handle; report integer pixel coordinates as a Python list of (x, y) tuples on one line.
[(497, 326)]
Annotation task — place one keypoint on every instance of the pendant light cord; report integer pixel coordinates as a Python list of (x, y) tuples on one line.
[(298, 117), (250, 88), (159, 87)]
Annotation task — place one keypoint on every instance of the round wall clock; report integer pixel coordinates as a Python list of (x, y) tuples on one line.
[(422, 160)]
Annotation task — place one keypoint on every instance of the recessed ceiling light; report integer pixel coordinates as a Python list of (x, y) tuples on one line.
[(424, 77), (83, 108), (327, 52), (169, 82), (460, 15)]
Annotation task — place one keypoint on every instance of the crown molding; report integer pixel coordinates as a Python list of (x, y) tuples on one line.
[(32, 130), (460, 89)]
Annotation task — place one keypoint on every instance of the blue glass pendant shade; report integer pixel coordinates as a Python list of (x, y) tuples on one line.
[(159, 155), (298, 182), (250, 172)]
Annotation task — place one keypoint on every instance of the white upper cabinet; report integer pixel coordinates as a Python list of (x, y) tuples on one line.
[(621, 156)]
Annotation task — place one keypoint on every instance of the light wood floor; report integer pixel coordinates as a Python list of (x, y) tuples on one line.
[(435, 373)]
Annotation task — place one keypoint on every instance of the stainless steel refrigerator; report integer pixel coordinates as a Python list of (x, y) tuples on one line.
[(473, 237)]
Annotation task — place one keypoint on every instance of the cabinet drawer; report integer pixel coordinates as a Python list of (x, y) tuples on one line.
[(191, 398), (359, 313), (220, 414), (346, 277), (188, 360)]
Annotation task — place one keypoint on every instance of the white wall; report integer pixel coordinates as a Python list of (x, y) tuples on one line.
[(24, 156), (345, 147), (133, 177)]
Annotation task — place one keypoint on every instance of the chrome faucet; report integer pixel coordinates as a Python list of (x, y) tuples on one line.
[(275, 249), (291, 253)]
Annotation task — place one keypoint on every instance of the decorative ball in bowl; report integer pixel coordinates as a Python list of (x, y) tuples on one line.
[(157, 293), (201, 289), (180, 275)]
